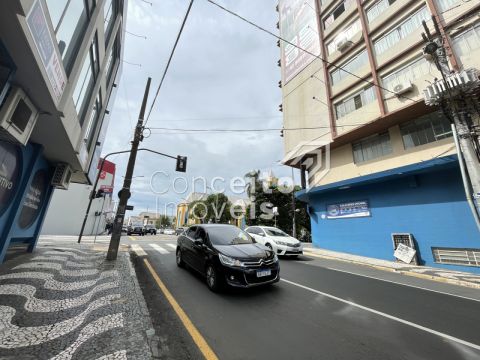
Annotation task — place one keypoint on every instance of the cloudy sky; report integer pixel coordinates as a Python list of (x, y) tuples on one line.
[(223, 75)]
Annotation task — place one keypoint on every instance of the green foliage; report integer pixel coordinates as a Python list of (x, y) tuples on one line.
[(163, 221), (215, 209)]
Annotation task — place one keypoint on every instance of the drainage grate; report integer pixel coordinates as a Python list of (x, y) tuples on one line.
[(456, 256)]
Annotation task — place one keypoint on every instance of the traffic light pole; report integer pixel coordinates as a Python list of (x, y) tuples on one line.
[(125, 192)]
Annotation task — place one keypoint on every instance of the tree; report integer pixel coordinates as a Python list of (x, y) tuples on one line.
[(163, 221), (215, 208), (263, 201)]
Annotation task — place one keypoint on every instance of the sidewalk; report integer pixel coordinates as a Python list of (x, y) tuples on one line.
[(437, 274), (66, 301)]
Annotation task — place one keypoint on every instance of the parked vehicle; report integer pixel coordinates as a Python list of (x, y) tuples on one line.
[(227, 255), (169, 232), (179, 230), (276, 239), (150, 229), (135, 229)]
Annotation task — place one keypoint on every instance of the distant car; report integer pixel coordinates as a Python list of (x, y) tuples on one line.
[(136, 229), (179, 230), (169, 232), (276, 239), (160, 231), (150, 229), (225, 254), (124, 228)]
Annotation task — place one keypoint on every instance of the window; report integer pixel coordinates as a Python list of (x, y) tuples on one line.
[(378, 8), (69, 20), (467, 41), (426, 129), (445, 5), (412, 71), (355, 102), (371, 148), (191, 232), (93, 121), (112, 57), (86, 80), (354, 64), (348, 33), (336, 13), (7, 69), (400, 32), (110, 8)]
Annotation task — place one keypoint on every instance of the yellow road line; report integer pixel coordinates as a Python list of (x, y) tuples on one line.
[(199, 340), (132, 238)]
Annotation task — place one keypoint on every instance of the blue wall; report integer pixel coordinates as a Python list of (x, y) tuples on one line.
[(431, 206)]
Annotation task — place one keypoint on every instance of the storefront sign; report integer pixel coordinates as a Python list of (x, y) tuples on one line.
[(34, 199), (348, 210), (10, 170), (404, 253), (37, 23), (298, 25)]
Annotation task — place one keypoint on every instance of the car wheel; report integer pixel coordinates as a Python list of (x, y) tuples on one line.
[(180, 262), (213, 278)]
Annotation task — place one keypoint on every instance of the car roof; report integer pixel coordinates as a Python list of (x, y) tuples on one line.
[(209, 226)]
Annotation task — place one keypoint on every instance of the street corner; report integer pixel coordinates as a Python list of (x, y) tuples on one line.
[(66, 302)]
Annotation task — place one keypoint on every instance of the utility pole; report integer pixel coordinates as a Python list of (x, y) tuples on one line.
[(125, 192), (449, 93), (294, 226)]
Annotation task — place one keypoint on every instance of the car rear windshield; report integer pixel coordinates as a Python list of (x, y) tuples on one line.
[(226, 235), (275, 232)]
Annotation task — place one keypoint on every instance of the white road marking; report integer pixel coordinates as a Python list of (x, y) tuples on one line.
[(159, 249), (398, 283), (137, 249), (391, 317), (172, 246)]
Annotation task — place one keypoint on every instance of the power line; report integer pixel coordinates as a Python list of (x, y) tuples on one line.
[(169, 59), (304, 50), (248, 130)]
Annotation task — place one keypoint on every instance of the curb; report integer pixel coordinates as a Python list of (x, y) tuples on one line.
[(403, 272)]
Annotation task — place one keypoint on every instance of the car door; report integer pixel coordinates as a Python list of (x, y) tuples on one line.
[(199, 254), (188, 249)]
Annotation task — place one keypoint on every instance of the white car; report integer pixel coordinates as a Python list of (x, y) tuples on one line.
[(276, 239), (169, 232)]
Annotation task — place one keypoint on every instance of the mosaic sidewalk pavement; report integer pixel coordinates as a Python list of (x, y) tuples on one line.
[(67, 302)]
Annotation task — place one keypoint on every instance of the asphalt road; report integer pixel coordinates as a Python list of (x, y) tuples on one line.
[(321, 309)]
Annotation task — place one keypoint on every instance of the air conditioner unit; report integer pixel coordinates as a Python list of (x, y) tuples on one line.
[(403, 88), (343, 44), (61, 176), (18, 116)]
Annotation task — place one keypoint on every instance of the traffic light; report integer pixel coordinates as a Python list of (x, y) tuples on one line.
[(181, 163)]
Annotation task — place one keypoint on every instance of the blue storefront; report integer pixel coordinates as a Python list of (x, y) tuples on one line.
[(427, 200), (25, 191)]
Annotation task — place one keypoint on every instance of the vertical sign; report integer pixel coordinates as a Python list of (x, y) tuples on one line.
[(298, 25), (37, 23)]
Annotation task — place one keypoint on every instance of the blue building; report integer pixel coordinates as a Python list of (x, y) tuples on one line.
[(59, 65)]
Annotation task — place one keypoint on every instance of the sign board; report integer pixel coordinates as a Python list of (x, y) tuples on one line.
[(37, 24), (299, 26), (107, 189), (348, 210), (404, 253)]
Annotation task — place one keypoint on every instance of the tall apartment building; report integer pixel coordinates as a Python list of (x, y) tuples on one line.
[(382, 162), (59, 64)]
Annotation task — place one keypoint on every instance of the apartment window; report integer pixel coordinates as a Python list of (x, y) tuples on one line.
[(86, 80), (412, 71), (93, 121), (112, 59), (351, 66), (69, 20), (372, 147), (467, 41), (445, 5), (348, 33), (7, 69), (336, 13), (402, 31), (425, 129), (378, 8), (110, 9), (355, 102)]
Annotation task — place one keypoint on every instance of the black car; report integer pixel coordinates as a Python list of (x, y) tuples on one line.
[(137, 229), (225, 254), (150, 229)]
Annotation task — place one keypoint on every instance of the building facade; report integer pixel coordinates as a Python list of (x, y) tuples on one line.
[(59, 62), (381, 162), (67, 208)]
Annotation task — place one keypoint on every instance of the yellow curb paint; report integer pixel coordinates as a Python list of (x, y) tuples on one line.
[(403, 272), (199, 340), (132, 238)]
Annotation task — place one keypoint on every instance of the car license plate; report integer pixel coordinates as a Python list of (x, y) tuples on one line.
[(262, 273)]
